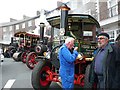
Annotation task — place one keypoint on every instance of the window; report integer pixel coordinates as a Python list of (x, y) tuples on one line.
[(29, 23), (5, 37), (4, 29), (113, 8), (17, 27), (111, 3), (10, 28), (23, 25), (118, 31), (111, 33)]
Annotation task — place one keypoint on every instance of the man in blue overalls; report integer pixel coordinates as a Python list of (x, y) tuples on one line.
[(67, 56)]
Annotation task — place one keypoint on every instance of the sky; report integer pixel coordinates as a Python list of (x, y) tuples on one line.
[(17, 8)]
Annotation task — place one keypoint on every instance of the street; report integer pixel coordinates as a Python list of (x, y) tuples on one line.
[(16, 75)]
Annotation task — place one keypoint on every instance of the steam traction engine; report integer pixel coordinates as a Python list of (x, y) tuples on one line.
[(26, 47), (84, 29)]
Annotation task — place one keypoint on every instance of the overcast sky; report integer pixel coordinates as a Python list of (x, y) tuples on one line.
[(17, 8)]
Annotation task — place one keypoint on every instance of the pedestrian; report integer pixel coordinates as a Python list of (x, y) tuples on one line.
[(117, 41), (105, 68), (1, 55), (67, 56)]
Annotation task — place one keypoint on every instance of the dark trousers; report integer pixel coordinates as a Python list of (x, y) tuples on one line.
[(100, 84)]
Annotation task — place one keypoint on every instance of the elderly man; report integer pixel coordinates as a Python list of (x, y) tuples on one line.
[(105, 68), (67, 56)]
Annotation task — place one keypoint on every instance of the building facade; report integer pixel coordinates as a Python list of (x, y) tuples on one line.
[(7, 30), (109, 13), (106, 12)]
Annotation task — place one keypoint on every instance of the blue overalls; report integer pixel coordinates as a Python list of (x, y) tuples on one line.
[(66, 70)]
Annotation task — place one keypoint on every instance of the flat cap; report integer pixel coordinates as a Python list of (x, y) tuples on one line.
[(103, 34)]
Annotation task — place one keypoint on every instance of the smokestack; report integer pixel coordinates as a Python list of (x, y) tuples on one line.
[(64, 15), (42, 25)]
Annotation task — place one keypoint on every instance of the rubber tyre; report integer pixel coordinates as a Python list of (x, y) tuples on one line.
[(54, 55), (87, 84), (38, 78)]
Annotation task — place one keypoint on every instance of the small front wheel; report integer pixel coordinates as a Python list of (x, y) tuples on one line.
[(39, 75), (30, 61)]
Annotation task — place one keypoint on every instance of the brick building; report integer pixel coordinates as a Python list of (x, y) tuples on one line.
[(106, 12), (7, 30)]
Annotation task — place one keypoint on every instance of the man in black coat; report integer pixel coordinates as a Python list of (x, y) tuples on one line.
[(105, 69)]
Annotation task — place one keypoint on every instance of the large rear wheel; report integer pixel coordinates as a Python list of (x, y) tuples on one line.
[(87, 84), (39, 75), (54, 56)]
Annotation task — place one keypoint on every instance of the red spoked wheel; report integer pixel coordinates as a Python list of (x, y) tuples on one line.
[(43, 76), (39, 75), (23, 57), (30, 61)]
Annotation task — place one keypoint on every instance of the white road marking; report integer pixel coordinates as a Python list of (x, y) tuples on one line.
[(9, 83)]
